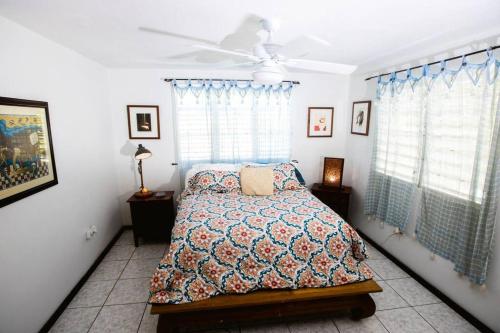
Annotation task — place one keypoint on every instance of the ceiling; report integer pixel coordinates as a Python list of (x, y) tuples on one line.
[(371, 34)]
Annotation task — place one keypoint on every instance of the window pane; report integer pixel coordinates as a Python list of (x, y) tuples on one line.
[(233, 127), (458, 138), (399, 134)]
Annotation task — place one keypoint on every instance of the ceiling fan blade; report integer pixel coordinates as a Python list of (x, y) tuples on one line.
[(302, 46), (318, 40), (238, 65), (320, 66), (235, 53), (161, 62), (175, 35)]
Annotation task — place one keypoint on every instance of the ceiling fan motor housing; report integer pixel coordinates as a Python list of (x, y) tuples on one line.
[(268, 74)]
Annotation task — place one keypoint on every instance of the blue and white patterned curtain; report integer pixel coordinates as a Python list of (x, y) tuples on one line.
[(437, 143), (231, 122)]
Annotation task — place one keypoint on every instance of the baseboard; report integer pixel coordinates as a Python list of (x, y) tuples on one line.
[(461, 311), (48, 325)]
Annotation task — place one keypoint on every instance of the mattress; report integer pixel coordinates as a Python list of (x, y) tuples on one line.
[(225, 243)]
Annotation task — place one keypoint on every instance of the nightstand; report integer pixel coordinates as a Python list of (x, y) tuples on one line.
[(152, 217), (335, 198)]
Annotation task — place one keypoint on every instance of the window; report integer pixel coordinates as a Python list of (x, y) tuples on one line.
[(232, 125), (438, 139), (438, 144)]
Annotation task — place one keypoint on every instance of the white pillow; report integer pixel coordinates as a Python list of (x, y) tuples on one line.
[(209, 166)]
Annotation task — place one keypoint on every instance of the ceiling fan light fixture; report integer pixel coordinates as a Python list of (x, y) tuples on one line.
[(268, 75)]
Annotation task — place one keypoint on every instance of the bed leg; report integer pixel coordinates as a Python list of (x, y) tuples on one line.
[(366, 308), (166, 326)]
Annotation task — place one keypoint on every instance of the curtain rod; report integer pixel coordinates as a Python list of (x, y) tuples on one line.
[(435, 62), (170, 80)]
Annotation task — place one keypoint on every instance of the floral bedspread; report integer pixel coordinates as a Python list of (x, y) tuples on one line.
[(231, 243)]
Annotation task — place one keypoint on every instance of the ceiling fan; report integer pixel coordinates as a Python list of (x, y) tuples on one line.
[(268, 59)]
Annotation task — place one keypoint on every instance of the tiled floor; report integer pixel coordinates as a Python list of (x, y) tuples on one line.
[(114, 300)]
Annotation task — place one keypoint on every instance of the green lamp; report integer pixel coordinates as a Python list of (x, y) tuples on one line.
[(141, 154)]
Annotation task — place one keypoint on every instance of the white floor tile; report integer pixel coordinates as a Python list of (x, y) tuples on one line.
[(388, 299), (405, 320), (127, 238), (140, 268), (149, 251), (444, 319), (93, 293), (367, 325), (120, 252), (108, 270), (386, 269), (413, 292), (119, 319), (129, 291), (75, 320), (148, 322)]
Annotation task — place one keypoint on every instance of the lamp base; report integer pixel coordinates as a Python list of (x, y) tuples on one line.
[(143, 193)]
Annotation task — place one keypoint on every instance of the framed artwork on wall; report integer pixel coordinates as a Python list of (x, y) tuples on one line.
[(360, 123), (27, 163), (143, 121), (320, 122)]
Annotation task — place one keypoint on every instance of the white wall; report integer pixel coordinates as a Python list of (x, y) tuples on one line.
[(439, 272), (43, 251), (146, 86)]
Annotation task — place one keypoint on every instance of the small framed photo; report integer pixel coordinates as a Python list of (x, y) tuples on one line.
[(320, 122), (143, 121), (360, 123), (27, 163)]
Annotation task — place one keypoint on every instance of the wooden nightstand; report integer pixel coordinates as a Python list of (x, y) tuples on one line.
[(153, 217), (335, 198)]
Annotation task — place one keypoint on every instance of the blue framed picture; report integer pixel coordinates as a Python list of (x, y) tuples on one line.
[(27, 163)]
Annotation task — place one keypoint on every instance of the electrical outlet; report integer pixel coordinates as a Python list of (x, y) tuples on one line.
[(91, 232)]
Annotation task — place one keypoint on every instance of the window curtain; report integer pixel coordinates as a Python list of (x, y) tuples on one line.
[(231, 122), (437, 143)]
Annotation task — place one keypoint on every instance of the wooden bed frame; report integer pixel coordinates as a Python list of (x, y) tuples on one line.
[(268, 305)]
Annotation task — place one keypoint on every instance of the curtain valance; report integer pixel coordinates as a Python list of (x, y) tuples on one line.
[(395, 82), (242, 87)]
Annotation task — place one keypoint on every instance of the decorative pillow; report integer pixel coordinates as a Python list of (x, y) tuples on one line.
[(257, 181), (209, 166), (215, 181), (285, 177)]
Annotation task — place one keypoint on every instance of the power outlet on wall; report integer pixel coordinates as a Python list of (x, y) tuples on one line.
[(92, 230)]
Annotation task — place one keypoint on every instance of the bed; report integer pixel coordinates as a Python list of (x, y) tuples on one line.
[(235, 257)]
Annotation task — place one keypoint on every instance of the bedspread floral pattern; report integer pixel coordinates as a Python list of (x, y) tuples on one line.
[(230, 243), (208, 181)]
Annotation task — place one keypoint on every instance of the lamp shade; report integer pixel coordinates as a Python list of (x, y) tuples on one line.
[(333, 169), (142, 153)]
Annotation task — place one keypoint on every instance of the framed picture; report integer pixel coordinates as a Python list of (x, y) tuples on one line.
[(143, 121), (360, 123), (320, 122), (27, 163)]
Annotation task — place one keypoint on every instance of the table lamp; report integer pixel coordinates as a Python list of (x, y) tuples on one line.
[(141, 154), (333, 169)]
